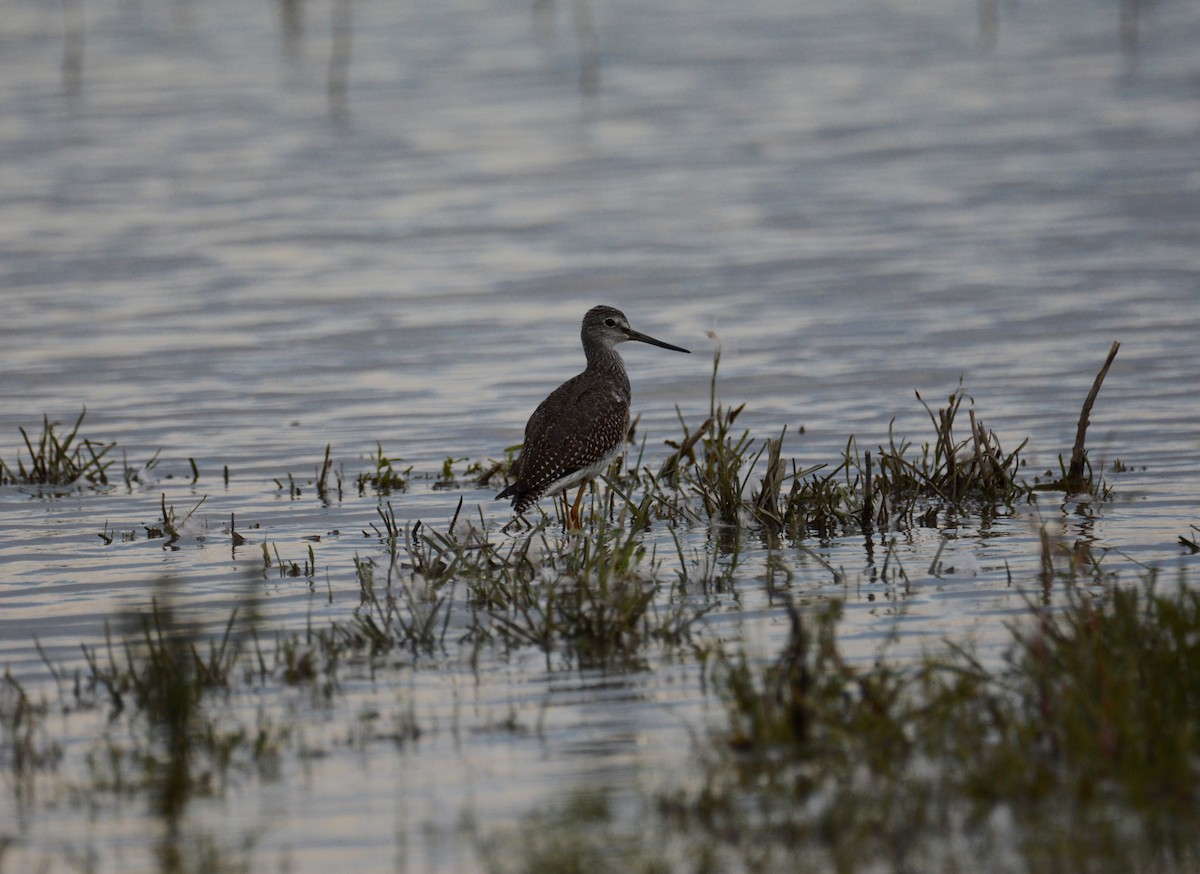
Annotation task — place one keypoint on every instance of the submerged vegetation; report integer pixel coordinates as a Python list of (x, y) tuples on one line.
[(1076, 750), (1087, 735), (1077, 753)]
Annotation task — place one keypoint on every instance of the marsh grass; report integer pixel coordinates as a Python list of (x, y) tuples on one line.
[(410, 614), (448, 480), (591, 599), (596, 600), (718, 473), (1085, 741), (899, 485), (960, 468), (27, 748), (176, 697), (1076, 752), (385, 477), (1107, 689), (57, 459), (286, 567), (578, 834), (323, 474), (958, 472), (163, 683), (170, 525)]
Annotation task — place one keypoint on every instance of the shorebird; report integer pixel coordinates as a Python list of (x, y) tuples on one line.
[(578, 430)]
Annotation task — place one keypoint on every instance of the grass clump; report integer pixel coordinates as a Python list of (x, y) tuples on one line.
[(1110, 688), (177, 698), (956, 471), (385, 478), (164, 678), (898, 486), (56, 459), (591, 599), (902, 486), (1079, 751)]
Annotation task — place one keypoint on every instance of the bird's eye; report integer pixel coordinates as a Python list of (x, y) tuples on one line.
[(610, 323)]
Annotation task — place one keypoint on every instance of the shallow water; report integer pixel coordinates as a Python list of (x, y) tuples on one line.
[(225, 259)]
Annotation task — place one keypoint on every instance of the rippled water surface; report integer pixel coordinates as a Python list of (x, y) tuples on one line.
[(236, 240)]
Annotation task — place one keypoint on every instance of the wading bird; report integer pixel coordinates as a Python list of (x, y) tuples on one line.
[(578, 430)]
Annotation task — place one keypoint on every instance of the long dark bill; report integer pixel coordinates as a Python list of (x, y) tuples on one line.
[(645, 338)]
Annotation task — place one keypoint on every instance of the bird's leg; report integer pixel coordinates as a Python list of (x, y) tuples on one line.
[(575, 507)]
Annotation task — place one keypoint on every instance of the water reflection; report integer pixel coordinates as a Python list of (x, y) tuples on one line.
[(339, 60), (1132, 13), (586, 35), (291, 23)]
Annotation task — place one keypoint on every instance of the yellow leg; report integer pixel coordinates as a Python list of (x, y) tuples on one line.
[(574, 515)]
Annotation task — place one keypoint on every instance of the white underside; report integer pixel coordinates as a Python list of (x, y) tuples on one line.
[(584, 473)]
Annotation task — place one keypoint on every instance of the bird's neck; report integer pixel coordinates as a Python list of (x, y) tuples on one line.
[(603, 359)]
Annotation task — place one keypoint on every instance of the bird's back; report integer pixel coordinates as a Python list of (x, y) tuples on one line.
[(578, 425)]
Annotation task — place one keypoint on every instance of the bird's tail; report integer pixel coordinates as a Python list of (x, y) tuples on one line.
[(522, 500)]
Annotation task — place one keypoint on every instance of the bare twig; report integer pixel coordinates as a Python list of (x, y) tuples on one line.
[(1074, 481)]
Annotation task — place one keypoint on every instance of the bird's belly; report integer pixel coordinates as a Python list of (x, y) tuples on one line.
[(584, 474)]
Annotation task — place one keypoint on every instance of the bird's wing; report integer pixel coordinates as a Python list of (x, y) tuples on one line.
[(578, 423)]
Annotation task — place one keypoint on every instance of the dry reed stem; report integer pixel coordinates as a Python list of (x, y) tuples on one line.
[(1074, 481)]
